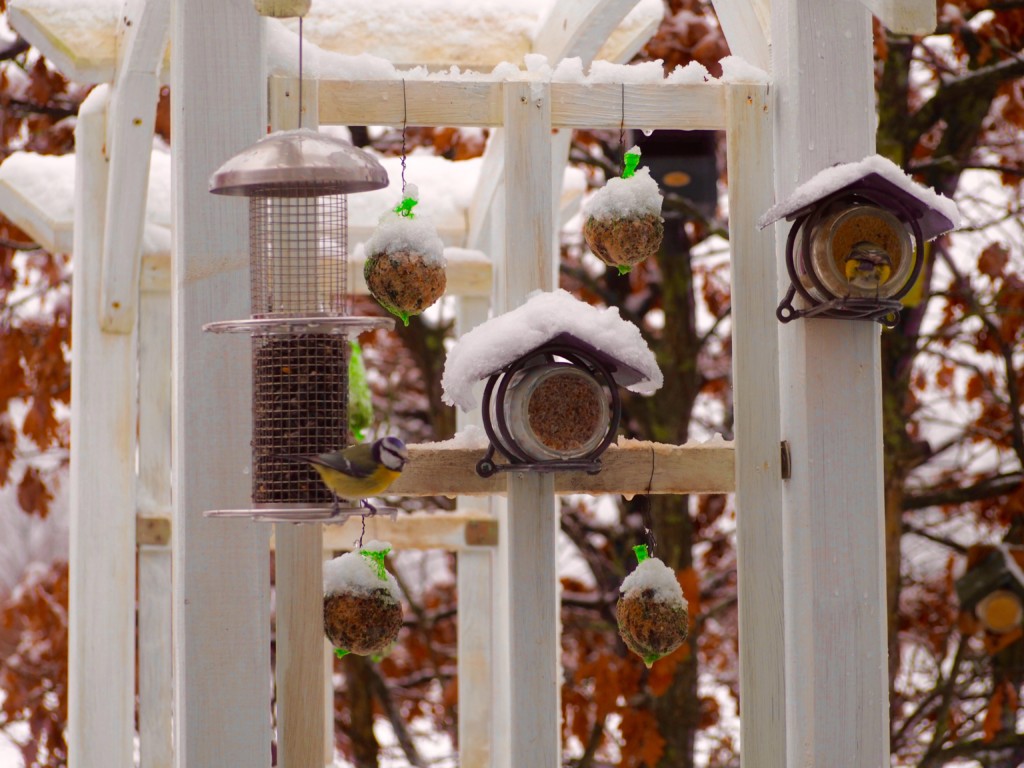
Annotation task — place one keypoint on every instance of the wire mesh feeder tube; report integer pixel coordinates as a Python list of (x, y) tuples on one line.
[(298, 252), (555, 409)]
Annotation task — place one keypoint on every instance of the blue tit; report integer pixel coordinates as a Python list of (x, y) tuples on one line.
[(868, 266), (360, 470)]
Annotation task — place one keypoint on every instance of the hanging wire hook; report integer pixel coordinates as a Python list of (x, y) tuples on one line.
[(405, 121), (300, 71), (622, 120), (645, 511)]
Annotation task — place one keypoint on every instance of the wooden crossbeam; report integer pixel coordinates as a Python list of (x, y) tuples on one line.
[(628, 468), (480, 103)]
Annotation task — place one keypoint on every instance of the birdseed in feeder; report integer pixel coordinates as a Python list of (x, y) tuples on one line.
[(625, 242), (564, 412), (405, 265), (404, 282), (299, 406), (652, 615), (362, 606), (623, 224)]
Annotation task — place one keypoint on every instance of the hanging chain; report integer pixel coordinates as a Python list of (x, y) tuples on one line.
[(645, 511), (362, 531), (622, 122), (300, 71), (405, 120)]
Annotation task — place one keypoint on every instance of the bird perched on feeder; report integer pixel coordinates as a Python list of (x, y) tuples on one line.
[(359, 471), (868, 266)]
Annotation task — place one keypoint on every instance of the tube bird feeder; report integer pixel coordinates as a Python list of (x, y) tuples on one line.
[(297, 182)]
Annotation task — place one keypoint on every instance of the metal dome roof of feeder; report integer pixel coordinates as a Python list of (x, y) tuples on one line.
[(298, 163)]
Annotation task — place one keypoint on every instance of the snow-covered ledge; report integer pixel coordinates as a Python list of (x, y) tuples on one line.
[(80, 36)]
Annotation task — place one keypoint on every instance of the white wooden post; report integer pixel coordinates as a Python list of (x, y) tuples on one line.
[(477, 610), (755, 362), (298, 564), (836, 671), (221, 567), (154, 501), (532, 523), (143, 30), (747, 28), (101, 643)]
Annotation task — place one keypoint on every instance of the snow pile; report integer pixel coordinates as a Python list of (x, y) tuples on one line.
[(471, 436), (415, 233), (940, 214), (47, 184), (355, 572), (494, 344), (653, 574), (737, 70), (446, 191), (620, 198)]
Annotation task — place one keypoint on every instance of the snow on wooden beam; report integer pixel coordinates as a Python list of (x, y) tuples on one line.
[(480, 103), (747, 28), (630, 467), (905, 17), (37, 194), (78, 38)]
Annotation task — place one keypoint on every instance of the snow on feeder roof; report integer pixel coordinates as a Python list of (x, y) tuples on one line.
[(544, 317), (936, 214)]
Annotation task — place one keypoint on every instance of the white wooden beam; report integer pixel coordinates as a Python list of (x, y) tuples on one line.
[(836, 670), (580, 26), (905, 17), (144, 29), (156, 692), (480, 103), (221, 569), (529, 265), (84, 53), (755, 363), (629, 467), (101, 643), (747, 28), (477, 578), (462, 531)]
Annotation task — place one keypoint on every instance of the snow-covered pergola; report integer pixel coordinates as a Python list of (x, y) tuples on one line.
[(811, 573)]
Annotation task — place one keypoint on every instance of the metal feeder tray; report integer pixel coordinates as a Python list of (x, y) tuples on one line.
[(302, 513)]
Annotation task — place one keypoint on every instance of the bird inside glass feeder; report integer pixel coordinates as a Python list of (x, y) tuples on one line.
[(405, 264), (856, 245), (623, 224), (859, 250)]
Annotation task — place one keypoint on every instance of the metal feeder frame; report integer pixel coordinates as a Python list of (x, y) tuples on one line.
[(884, 310), (600, 366), (297, 182)]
